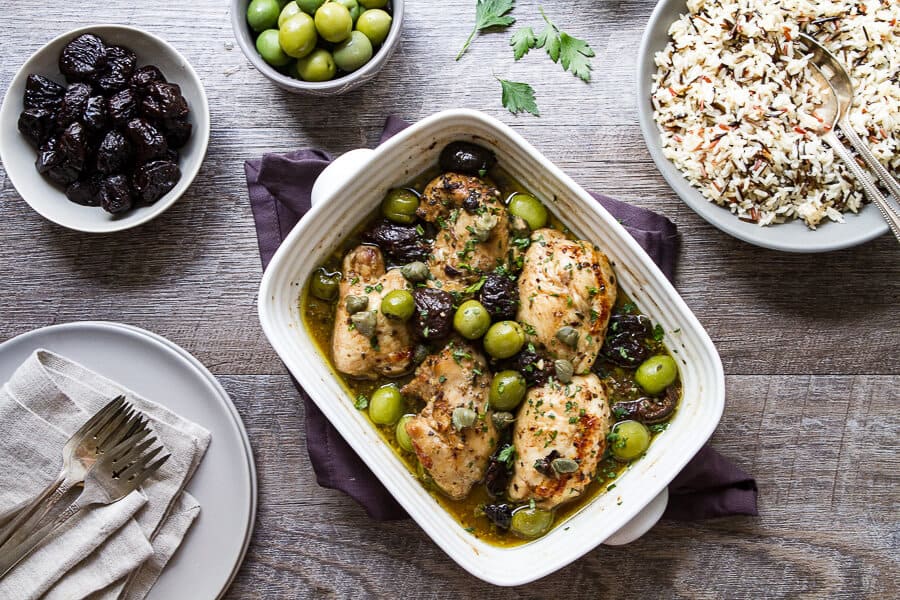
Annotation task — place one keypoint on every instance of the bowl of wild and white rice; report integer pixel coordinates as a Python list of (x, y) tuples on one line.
[(728, 109)]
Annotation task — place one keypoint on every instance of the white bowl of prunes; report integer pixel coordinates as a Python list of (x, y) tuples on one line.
[(103, 128)]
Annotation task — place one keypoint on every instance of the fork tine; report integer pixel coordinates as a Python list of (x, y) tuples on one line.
[(148, 471), (103, 436), (129, 451), (129, 428), (106, 417), (138, 465), (101, 416)]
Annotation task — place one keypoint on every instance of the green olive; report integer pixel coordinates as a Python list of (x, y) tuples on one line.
[(374, 3), (317, 66), (530, 522), (268, 47), (297, 35), (353, 7), (399, 205), (471, 319), (629, 440), (289, 10), (399, 305), (375, 24), (262, 14), (504, 339), (325, 285), (386, 405), (528, 208), (402, 436), (656, 373), (507, 390), (353, 52), (310, 6), (333, 22)]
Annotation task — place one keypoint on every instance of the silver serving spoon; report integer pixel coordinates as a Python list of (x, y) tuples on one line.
[(826, 132)]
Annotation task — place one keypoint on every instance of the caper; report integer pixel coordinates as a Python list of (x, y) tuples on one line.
[(564, 465), (415, 272), (324, 285), (357, 304), (564, 370), (463, 417), (530, 522), (364, 322), (420, 353), (502, 420), (568, 336)]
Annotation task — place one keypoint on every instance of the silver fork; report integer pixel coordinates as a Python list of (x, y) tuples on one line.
[(113, 423), (117, 473)]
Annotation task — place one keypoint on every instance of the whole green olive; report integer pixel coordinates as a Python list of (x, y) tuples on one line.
[(507, 390), (262, 14), (297, 35), (325, 285), (504, 339), (316, 66), (287, 11), (310, 6), (386, 405), (471, 319), (268, 47), (628, 440), (374, 3), (353, 7), (403, 439), (528, 208), (530, 522), (656, 373), (353, 52), (399, 205), (333, 22), (375, 24), (399, 305)]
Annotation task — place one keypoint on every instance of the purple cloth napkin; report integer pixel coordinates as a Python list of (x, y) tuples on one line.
[(280, 186)]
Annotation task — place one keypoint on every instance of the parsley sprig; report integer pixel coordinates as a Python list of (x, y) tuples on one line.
[(574, 54), (489, 13), (518, 97)]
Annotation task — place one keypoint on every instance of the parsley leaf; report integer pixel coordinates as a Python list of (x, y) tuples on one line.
[(489, 13), (361, 402), (658, 333), (575, 55), (518, 97), (522, 41)]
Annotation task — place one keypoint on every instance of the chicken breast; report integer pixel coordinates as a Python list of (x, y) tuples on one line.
[(389, 350), (559, 422), (456, 377), (566, 283), (473, 228)]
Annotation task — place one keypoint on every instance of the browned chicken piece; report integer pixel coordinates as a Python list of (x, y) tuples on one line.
[(473, 228), (558, 422), (457, 377), (566, 285), (387, 347)]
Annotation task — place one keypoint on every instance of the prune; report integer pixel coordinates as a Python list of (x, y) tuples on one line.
[(85, 192), (37, 124), (163, 101), (534, 367), (466, 158), (74, 103), (151, 181), (148, 142), (115, 194), (50, 162), (83, 58), (647, 410), (41, 92), (496, 477), (625, 343), (177, 132), (144, 76), (122, 106), (500, 296), (73, 146), (114, 153), (402, 243), (117, 72), (433, 319), (95, 114), (171, 155), (499, 514)]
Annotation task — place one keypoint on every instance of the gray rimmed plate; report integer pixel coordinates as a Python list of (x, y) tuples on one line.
[(225, 482), (789, 237)]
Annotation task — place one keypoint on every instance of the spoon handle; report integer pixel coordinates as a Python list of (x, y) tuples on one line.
[(889, 182), (868, 186)]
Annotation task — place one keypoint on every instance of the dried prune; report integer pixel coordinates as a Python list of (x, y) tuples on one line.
[(85, 192), (41, 92), (50, 162), (433, 319), (151, 181), (74, 103), (144, 76), (500, 296), (115, 194), (95, 114), (534, 367), (148, 142), (466, 158), (177, 132), (625, 343), (122, 106), (163, 101), (37, 124), (114, 153), (499, 514), (496, 477), (83, 58), (171, 155), (73, 145), (117, 72), (402, 243)]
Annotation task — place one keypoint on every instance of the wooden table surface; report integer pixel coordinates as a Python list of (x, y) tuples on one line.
[(809, 343)]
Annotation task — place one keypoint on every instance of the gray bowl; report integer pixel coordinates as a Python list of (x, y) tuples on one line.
[(789, 237), (340, 85)]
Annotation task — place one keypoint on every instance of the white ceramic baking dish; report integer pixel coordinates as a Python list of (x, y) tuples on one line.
[(348, 191)]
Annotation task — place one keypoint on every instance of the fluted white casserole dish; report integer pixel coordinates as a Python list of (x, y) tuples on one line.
[(346, 193)]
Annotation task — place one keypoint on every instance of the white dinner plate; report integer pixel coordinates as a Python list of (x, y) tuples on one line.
[(225, 482)]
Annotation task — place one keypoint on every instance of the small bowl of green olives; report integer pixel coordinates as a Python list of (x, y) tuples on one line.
[(317, 47)]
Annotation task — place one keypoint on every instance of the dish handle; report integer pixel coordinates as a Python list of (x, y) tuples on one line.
[(342, 169), (642, 522)]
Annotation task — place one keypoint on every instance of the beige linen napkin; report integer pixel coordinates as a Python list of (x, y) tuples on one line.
[(115, 551)]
